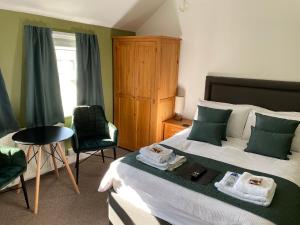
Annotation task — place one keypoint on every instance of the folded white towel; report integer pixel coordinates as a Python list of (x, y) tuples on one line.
[(170, 165), (226, 185), (158, 157), (177, 161), (262, 190), (230, 180), (161, 166)]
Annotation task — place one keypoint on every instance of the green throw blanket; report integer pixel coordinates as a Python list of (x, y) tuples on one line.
[(284, 209)]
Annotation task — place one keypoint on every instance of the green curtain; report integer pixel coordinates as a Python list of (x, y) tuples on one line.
[(89, 82), (43, 98), (8, 122)]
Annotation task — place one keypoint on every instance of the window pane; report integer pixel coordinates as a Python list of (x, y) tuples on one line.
[(67, 69)]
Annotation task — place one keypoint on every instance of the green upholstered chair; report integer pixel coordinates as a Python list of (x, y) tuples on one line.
[(12, 165), (92, 132)]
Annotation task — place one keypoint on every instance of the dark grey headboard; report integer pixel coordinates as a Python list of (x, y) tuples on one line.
[(273, 95)]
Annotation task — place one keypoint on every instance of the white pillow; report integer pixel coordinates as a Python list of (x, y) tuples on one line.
[(237, 119), (284, 115), (252, 119)]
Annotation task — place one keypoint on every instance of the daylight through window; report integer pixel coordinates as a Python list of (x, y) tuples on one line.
[(65, 48)]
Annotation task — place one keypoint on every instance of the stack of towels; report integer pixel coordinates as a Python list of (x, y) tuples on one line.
[(241, 187), (160, 157)]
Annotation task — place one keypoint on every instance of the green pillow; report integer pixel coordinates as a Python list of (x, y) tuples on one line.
[(274, 124), (212, 115), (271, 144), (207, 132)]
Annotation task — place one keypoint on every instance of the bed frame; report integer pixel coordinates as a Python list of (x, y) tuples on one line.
[(273, 95)]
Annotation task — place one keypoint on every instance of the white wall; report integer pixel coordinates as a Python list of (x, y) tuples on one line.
[(249, 38)]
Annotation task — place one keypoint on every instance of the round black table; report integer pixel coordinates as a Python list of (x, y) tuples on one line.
[(41, 137)]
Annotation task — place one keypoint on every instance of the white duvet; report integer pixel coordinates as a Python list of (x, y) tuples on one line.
[(181, 206)]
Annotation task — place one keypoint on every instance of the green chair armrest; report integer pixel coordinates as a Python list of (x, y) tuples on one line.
[(113, 132), (74, 139)]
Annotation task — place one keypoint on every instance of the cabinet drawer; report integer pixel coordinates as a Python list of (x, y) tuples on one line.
[(170, 130)]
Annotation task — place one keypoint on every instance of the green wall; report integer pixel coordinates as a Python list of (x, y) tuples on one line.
[(11, 53)]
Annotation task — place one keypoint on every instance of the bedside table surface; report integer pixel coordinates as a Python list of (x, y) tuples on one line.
[(180, 123), (172, 126)]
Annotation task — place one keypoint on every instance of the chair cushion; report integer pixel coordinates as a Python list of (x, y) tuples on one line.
[(94, 143), (90, 121), (9, 173), (10, 156)]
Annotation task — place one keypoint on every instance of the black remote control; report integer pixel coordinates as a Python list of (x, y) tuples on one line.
[(196, 174)]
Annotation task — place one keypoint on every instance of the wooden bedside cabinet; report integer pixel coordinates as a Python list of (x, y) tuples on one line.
[(172, 126)]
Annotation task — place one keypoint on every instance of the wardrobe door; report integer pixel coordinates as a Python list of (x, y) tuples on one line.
[(126, 122), (124, 99), (145, 52), (167, 82)]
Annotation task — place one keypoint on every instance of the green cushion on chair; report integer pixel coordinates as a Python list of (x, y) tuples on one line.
[(5, 160), (90, 121), (8, 174), (12, 164), (89, 144), (10, 156)]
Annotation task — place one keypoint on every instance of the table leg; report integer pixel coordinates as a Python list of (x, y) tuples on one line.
[(62, 153), (27, 158), (37, 181), (29, 152), (53, 160)]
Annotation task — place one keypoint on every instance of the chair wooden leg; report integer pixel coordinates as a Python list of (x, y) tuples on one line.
[(77, 167), (24, 190), (115, 154), (102, 154)]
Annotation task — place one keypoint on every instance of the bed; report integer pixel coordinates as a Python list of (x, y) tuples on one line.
[(137, 197)]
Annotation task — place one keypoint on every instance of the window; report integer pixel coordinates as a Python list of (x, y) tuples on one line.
[(65, 49)]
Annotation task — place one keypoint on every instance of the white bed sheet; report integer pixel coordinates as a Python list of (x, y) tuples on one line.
[(179, 205)]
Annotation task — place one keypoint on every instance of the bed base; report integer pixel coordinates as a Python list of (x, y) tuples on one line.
[(122, 212)]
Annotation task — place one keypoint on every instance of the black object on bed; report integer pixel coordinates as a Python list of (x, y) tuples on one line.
[(187, 169)]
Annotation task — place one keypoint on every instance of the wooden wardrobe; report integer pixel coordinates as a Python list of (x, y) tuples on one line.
[(145, 85)]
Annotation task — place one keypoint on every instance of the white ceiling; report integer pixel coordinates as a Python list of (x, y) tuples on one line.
[(123, 14)]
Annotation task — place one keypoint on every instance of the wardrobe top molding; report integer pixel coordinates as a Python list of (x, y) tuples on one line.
[(146, 37)]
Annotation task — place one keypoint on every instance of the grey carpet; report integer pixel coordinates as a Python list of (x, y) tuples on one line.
[(59, 204)]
